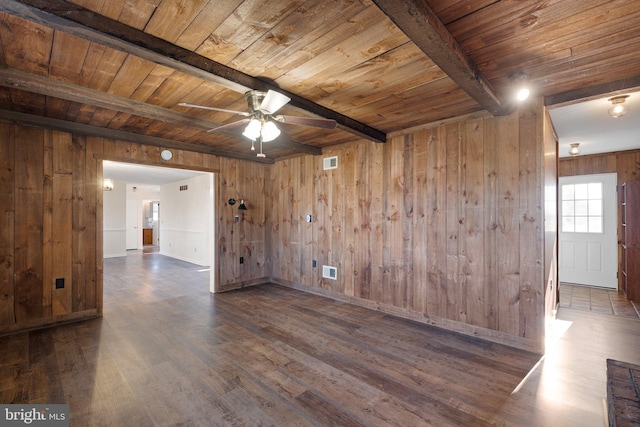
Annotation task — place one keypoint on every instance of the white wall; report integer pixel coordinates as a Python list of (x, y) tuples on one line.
[(186, 222), (114, 221), (140, 195)]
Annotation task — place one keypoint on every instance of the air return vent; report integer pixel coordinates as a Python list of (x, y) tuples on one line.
[(329, 272), (184, 187), (330, 163)]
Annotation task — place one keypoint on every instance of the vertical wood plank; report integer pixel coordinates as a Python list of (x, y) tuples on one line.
[(295, 216), (408, 279), (453, 289), (363, 259), (490, 247), (508, 237), (473, 226), (437, 222), (419, 223), (47, 225), (93, 205), (376, 238), (61, 219), (348, 227), (7, 213), (61, 241), (80, 238), (29, 178)]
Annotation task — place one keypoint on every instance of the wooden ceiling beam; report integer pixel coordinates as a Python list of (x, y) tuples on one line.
[(75, 20), (15, 79), (34, 83), (420, 23), (101, 132), (618, 87)]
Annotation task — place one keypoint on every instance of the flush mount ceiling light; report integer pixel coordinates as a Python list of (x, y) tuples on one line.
[(618, 107), (107, 185), (520, 84), (575, 149)]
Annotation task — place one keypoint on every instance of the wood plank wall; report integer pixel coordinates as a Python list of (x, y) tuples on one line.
[(444, 225), (51, 216), (625, 164)]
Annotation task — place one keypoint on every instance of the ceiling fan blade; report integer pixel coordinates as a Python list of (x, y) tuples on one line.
[(242, 113), (273, 101), (229, 126), (307, 121)]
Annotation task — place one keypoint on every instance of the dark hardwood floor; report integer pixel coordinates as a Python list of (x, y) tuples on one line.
[(168, 353)]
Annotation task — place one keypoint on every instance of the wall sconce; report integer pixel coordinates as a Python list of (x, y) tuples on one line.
[(618, 108), (520, 83), (575, 149), (107, 185), (242, 207)]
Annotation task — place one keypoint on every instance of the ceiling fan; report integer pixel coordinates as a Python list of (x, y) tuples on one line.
[(261, 117)]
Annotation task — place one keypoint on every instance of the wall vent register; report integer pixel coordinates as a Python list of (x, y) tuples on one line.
[(330, 163), (184, 187), (329, 272)]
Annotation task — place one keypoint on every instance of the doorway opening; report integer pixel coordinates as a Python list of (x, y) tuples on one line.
[(183, 229), (588, 245)]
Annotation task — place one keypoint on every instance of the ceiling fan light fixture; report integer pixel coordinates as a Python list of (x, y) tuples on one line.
[(575, 149), (270, 131), (618, 107), (252, 131)]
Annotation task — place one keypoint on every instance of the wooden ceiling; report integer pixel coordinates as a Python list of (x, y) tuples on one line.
[(119, 68)]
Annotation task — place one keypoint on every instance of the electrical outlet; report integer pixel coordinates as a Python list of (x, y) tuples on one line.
[(241, 260), (60, 283), (314, 264)]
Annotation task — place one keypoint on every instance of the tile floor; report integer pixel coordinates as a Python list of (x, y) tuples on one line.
[(597, 300)]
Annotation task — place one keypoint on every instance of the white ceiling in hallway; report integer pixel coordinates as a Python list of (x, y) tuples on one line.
[(589, 124), (147, 177)]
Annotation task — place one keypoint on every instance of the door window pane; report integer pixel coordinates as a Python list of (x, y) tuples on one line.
[(582, 208)]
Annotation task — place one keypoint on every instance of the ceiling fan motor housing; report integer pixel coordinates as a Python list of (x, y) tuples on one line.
[(254, 99)]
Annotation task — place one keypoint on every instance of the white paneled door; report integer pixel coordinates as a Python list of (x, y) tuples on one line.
[(132, 224), (588, 246)]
